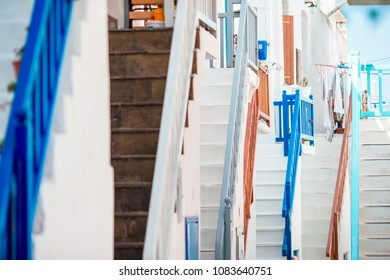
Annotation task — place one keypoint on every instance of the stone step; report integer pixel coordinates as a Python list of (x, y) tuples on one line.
[(373, 197), (316, 212), (269, 220), (375, 214), (375, 182), (316, 226), (135, 115), (270, 235), (212, 153), (139, 66), (214, 114), (317, 199), (268, 150), (319, 173), (375, 167), (213, 133), (210, 194), (134, 141), (145, 40), (131, 197), (211, 173), (374, 137), (375, 230), (218, 76), (272, 205), (269, 252), (314, 253), (209, 216), (375, 124), (271, 176), (136, 168), (270, 163), (311, 162), (216, 94), (374, 246), (269, 191), (130, 226), (315, 239), (375, 152), (318, 186), (128, 250), (138, 91)]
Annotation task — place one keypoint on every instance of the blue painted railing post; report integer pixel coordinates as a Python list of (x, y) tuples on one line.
[(286, 123), (228, 218), (356, 107)]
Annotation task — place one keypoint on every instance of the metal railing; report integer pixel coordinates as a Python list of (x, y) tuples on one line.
[(332, 248), (285, 110), (24, 151), (223, 238), (166, 171), (294, 152)]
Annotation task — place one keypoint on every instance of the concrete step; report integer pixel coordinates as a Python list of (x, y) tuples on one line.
[(375, 167), (317, 199), (134, 141), (375, 124), (218, 76), (211, 173), (135, 115), (271, 177), (137, 91), (130, 226), (375, 182), (213, 133), (146, 40), (271, 205), (271, 163), (375, 257), (316, 226), (207, 255), (375, 230), (139, 65), (136, 168), (314, 240), (375, 214), (373, 197), (214, 114), (212, 153), (209, 216), (311, 162), (375, 152), (321, 140), (208, 239), (318, 186), (269, 191), (315, 174), (316, 212), (374, 137), (332, 150), (128, 250), (216, 94), (269, 235), (269, 252), (210, 194), (267, 150), (314, 253), (375, 246), (269, 220), (132, 197)]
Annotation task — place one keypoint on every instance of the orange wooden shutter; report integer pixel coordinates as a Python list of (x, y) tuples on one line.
[(288, 39)]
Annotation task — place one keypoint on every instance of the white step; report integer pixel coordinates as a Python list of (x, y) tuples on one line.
[(375, 137), (314, 253), (332, 150), (207, 255), (209, 216), (265, 150), (375, 183), (269, 191), (269, 252), (269, 220), (375, 167), (323, 173), (317, 199), (216, 114), (271, 163), (315, 226), (216, 95), (321, 140), (375, 214), (210, 194), (375, 257), (375, 124), (314, 239), (310, 162), (374, 246), (375, 198), (271, 177), (375, 152), (272, 205), (270, 235), (213, 133), (217, 76), (208, 239), (374, 230), (211, 173), (316, 212), (318, 186), (212, 153)]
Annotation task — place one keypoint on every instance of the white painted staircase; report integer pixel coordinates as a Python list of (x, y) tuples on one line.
[(214, 118), (270, 169), (319, 173), (375, 189)]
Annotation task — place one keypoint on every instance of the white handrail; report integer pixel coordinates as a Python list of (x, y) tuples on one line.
[(161, 208)]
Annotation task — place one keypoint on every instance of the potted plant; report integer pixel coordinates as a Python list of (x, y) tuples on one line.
[(16, 64)]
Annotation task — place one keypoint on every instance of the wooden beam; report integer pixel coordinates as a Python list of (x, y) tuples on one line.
[(140, 15), (147, 2)]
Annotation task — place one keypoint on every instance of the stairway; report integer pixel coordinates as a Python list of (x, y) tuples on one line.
[(319, 173), (375, 189), (270, 167), (138, 68), (214, 119)]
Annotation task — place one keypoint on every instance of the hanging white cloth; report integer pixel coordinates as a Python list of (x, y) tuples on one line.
[(326, 82), (338, 99)]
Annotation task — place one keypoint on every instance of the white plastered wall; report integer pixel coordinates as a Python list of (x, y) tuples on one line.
[(77, 193), (116, 9)]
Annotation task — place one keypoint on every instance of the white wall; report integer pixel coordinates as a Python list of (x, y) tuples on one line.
[(77, 192), (14, 19), (345, 221), (116, 9), (296, 217)]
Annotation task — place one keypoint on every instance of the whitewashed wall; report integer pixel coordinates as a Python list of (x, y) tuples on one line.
[(14, 19), (77, 191), (116, 9)]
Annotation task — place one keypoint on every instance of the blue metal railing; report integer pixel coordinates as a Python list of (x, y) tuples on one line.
[(246, 56), (285, 110), (28, 130)]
